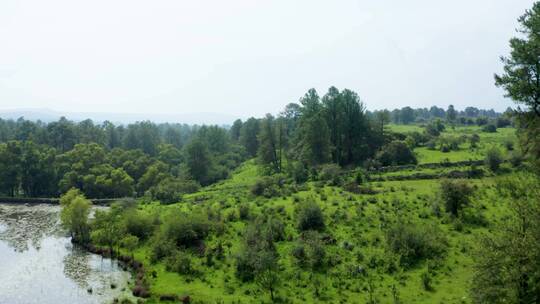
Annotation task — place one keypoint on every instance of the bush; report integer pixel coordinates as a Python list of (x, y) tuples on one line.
[(493, 159), (503, 122), (170, 190), (309, 250), (482, 121), (269, 186), (180, 263), (509, 144), (396, 153), (139, 224), (515, 159), (331, 173), (160, 248), (455, 194), (185, 230), (414, 243), (490, 128), (243, 211), (474, 140), (310, 217)]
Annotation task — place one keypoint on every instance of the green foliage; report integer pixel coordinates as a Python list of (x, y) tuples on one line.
[(494, 159), (489, 128), (310, 216), (396, 153), (507, 266), (520, 77), (269, 186), (170, 190), (331, 173), (181, 263), (258, 257), (198, 161), (139, 223), (455, 195), (74, 215), (310, 251), (414, 243), (185, 230)]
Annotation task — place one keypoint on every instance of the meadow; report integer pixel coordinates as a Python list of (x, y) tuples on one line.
[(358, 265)]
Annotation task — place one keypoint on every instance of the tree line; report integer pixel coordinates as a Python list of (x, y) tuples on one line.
[(106, 161)]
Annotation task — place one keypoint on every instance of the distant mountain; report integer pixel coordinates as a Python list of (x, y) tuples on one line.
[(47, 115)]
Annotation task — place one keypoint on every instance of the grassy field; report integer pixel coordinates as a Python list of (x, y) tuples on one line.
[(465, 152), (359, 264)]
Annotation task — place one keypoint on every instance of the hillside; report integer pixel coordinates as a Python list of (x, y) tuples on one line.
[(357, 263)]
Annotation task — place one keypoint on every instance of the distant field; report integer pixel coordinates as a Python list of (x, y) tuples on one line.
[(487, 140)]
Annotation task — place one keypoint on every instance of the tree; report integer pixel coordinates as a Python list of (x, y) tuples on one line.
[(268, 271), (333, 113), (198, 160), (451, 114), (406, 115), (314, 143), (62, 134), (310, 217), (507, 261), (108, 228), (74, 215), (382, 118), (37, 172), (10, 167), (396, 153), (521, 77), (235, 130), (248, 136), (493, 159), (455, 194), (269, 144)]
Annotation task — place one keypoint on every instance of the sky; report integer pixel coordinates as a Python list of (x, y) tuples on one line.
[(250, 57)]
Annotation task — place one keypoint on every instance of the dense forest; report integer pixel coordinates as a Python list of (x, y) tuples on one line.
[(165, 160)]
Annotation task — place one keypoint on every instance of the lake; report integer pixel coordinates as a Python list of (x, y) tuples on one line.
[(39, 264)]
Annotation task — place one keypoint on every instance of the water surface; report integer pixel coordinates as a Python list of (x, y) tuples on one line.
[(38, 263)]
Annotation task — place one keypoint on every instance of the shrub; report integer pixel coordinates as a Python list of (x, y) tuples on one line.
[(268, 186), (170, 190), (243, 211), (455, 194), (414, 243), (482, 121), (490, 128), (509, 144), (396, 153), (516, 158), (493, 159), (139, 224), (331, 173), (503, 122), (160, 247), (310, 217), (185, 230), (474, 140), (425, 276), (309, 250), (180, 263)]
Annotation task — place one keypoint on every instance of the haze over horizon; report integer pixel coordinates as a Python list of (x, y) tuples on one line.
[(246, 58)]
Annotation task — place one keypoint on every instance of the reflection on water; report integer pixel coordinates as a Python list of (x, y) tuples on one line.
[(38, 263)]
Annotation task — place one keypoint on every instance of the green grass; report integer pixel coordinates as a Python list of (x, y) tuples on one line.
[(346, 221), (366, 232)]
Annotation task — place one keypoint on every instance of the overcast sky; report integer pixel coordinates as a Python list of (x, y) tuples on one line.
[(249, 57)]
